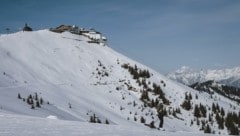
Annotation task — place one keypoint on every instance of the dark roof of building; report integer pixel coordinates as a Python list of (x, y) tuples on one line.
[(27, 28)]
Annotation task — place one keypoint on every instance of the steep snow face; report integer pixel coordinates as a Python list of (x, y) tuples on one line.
[(189, 76), (79, 81)]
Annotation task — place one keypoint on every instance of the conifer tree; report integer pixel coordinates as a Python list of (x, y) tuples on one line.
[(190, 96), (142, 119), (38, 104), (32, 106), (19, 96), (106, 121), (196, 96), (99, 121), (36, 96), (198, 122), (186, 104), (203, 110), (135, 119), (217, 107), (30, 96), (197, 111), (210, 118), (41, 100), (186, 96), (222, 112), (207, 129), (191, 123), (213, 107)]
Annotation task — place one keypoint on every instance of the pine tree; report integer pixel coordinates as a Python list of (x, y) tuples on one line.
[(213, 108), (186, 104), (198, 122), (142, 120), (217, 107), (238, 122), (222, 112), (32, 107), (186, 96), (36, 96), (196, 96), (99, 121), (152, 103), (190, 96), (217, 117), (30, 96), (234, 130), (135, 119), (210, 118), (156, 102), (197, 111), (191, 123), (178, 110), (174, 113), (41, 100), (106, 121), (221, 123), (203, 124), (93, 119), (38, 104), (144, 96), (207, 129), (19, 96), (134, 104), (28, 101), (203, 111)]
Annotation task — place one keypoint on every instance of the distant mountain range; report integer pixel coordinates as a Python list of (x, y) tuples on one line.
[(188, 76)]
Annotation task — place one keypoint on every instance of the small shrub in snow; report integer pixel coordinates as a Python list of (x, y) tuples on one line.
[(38, 104), (106, 121), (142, 120), (19, 96)]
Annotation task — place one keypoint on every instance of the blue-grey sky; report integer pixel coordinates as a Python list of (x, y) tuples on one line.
[(163, 34)]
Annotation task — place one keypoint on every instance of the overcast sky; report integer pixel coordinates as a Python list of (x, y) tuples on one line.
[(163, 34)]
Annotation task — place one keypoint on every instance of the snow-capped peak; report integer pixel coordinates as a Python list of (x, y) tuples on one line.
[(184, 69), (188, 76)]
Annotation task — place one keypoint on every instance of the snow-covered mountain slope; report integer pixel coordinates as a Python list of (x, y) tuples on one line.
[(61, 75), (189, 76)]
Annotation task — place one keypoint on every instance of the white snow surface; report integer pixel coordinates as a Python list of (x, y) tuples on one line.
[(188, 76), (62, 69), (12, 125)]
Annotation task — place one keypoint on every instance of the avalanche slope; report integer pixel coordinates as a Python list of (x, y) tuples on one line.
[(79, 81)]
